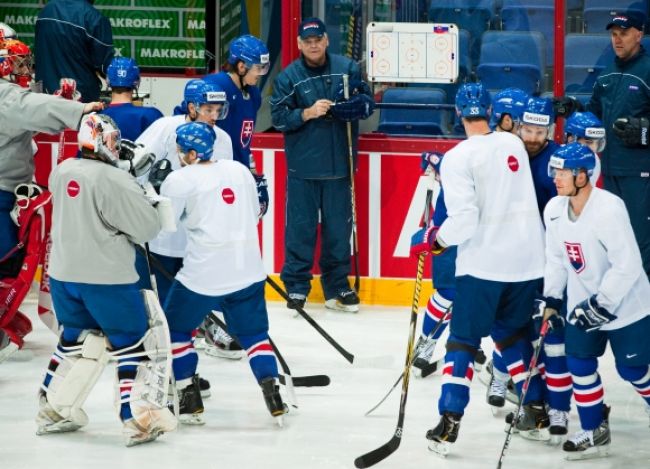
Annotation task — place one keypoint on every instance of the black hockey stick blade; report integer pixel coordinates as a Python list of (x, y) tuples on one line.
[(431, 368), (347, 355), (309, 381), (381, 453)]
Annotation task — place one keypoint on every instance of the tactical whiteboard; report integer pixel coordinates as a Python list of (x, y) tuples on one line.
[(412, 52)]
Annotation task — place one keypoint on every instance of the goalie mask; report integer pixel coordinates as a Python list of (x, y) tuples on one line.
[(16, 62), (99, 135)]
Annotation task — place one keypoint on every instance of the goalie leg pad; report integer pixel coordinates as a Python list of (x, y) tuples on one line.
[(145, 390), (72, 373)]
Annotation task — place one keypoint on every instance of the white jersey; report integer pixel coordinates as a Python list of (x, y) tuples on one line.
[(217, 205), (492, 209), (596, 254), (160, 139)]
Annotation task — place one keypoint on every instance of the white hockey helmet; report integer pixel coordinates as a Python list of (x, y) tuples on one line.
[(99, 134)]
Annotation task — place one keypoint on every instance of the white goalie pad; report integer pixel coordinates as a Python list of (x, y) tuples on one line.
[(148, 396), (76, 375)]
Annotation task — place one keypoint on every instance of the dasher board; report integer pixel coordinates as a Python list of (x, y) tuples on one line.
[(412, 52)]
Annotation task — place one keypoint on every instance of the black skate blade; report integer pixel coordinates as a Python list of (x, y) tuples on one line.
[(432, 368), (308, 381)]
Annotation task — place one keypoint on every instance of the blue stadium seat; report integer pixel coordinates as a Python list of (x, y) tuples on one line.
[(471, 15), (586, 56), (414, 121), (531, 15), (512, 59), (598, 13)]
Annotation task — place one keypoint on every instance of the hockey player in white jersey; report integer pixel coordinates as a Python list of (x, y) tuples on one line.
[(99, 213), (592, 253), (217, 204), (494, 221), (206, 102)]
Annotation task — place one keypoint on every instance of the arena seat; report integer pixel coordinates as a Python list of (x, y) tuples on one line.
[(414, 121), (586, 56), (598, 13), (531, 15)]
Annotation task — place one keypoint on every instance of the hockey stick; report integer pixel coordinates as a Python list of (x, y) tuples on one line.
[(430, 369), (298, 381), (348, 356), (381, 453), (355, 237), (524, 390)]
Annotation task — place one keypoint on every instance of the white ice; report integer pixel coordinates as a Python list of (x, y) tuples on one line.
[(328, 431)]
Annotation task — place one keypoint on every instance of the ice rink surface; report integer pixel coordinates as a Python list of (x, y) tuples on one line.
[(329, 429)]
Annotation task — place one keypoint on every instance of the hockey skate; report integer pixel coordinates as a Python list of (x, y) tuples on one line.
[(7, 347), (190, 404), (218, 343), (534, 423), (423, 353), (204, 387), (559, 426), (148, 423), (496, 393), (273, 399), (444, 434), (346, 301), (49, 420), (590, 444)]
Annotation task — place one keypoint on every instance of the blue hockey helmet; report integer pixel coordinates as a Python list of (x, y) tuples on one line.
[(510, 101), (123, 72), (574, 156), (538, 111), (585, 125), (197, 136), (200, 92), (250, 50), (473, 100)]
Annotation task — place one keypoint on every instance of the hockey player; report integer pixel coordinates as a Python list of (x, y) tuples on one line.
[(499, 265), (222, 269), (21, 115), (608, 294), (96, 296), (206, 103), (248, 60), (507, 109), (586, 128), (123, 77), (16, 63)]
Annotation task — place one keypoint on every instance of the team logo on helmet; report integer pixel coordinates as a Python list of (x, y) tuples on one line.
[(576, 257)]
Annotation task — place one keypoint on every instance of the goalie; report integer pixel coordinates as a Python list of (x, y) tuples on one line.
[(99, 213)]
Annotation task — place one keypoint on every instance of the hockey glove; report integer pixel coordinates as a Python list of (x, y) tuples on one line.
[(564, 106), (589, 315), (548, 309), (262, 193), (136, 155), (68, 89), (431, 161), (159, 172), (424, 242), (357, 107), (633, 131)]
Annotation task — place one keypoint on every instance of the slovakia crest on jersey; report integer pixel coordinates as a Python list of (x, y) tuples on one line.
[(576, 257), (247, 127)]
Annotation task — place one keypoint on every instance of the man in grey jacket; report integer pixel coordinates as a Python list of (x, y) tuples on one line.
[(21, 115)]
